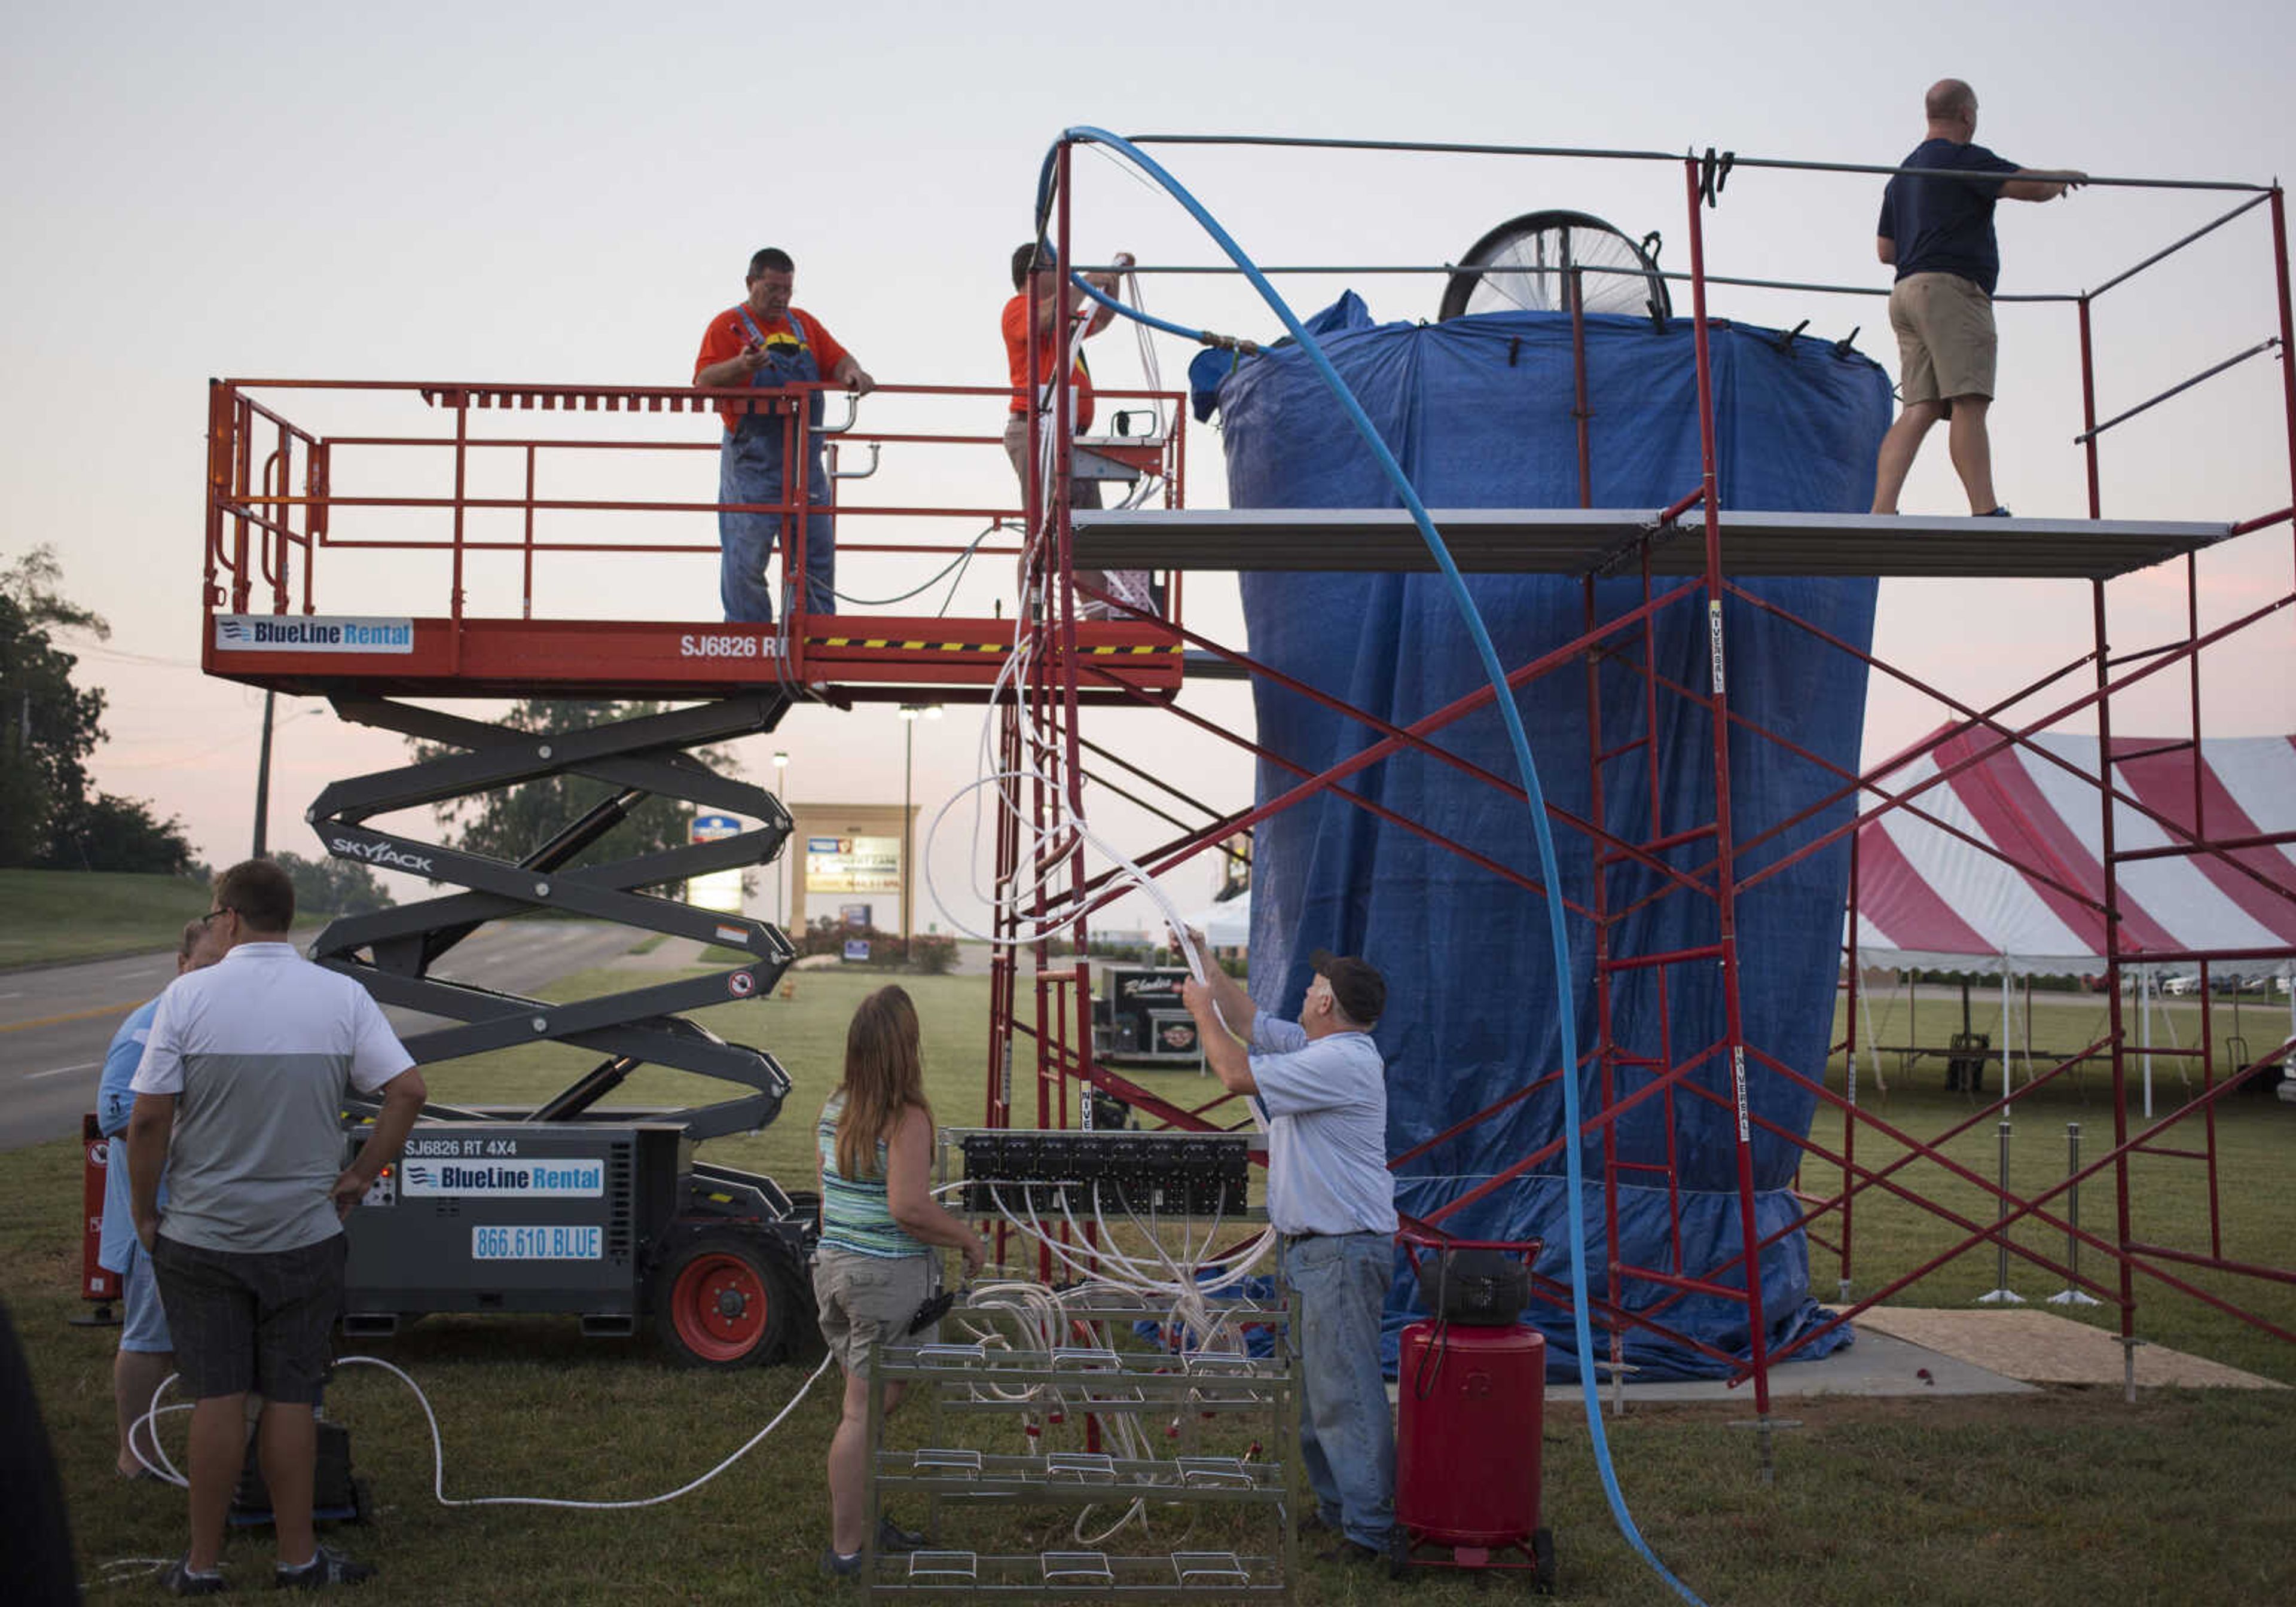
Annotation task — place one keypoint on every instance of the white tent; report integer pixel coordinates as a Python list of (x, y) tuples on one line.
[(2008, 874), (1932, 894), (1226, 924)]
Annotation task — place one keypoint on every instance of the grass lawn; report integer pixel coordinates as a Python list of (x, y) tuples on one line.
[(2068, 1497), (89, 914), (806, 1034)]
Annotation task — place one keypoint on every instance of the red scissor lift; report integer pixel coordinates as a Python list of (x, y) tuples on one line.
[(326, 541), (1687, 555)]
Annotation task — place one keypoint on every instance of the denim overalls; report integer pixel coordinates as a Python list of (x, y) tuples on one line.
[(749, 470)]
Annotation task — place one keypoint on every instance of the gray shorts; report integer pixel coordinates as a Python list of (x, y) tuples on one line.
[(865, 1298), (255, 1320)]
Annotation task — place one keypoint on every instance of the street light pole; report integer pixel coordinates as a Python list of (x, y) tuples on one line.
[(910, 714), (263, 780)]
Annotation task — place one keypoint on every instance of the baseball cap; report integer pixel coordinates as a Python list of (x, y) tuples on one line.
[(1356, 984)]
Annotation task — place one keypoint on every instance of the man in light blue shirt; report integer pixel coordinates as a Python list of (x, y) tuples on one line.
[(146, 1353), (1322, 1085)]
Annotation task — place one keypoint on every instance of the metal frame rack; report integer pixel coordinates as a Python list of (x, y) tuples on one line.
[(1688, 556), (1075, 1389), (1089, 1383)]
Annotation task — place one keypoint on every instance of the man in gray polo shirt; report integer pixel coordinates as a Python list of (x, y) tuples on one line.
[(239, 1105), (1322, 1087)]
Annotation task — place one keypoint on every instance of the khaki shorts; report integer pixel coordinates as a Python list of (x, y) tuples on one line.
[(1082, 493), (866, 1299), (1945, 338), (1131, 585)]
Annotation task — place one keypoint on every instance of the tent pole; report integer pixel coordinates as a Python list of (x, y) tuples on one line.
[(1874, 1044), (2005, 1027), (2145, 1030)]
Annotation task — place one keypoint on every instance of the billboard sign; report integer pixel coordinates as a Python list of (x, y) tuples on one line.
[(852, 864), (720, 891)]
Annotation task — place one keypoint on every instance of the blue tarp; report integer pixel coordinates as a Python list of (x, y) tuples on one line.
[(1480, 412)]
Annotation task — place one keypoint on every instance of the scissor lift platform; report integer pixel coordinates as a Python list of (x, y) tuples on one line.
[(842, 658)]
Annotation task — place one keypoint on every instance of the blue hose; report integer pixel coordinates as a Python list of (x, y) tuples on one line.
[(1517, 738)]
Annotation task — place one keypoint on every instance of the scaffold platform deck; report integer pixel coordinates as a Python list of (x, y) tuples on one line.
[(1593, 541)]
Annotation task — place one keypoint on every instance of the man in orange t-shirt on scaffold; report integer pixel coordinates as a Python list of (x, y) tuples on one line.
[(763, 341), (1053, 298)]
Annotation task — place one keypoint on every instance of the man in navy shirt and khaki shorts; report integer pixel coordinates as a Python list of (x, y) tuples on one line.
[(1938, 232)]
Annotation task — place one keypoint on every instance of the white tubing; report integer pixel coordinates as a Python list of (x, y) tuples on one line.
[(438, 1453), (167, 1469)]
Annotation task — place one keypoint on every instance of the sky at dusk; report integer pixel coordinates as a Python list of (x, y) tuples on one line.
[(566, 194)]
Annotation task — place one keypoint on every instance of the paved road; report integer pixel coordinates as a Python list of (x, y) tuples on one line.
[(56, 1024)]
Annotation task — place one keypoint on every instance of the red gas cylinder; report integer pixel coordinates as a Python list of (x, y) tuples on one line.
[(1466, 1452)]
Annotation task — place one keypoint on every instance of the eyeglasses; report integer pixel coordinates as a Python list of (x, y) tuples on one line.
[(221, 909)]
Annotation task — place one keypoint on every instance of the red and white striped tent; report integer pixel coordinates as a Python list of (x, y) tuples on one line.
[(1928, 899)]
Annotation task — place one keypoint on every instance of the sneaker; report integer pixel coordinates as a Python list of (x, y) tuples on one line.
[(1348, 1551), (892, 1537), (178, 1579), (840, 1566), (326, 1568), (1998, 512)]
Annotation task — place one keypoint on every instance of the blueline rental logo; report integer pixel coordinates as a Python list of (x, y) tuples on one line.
[(505, 1179), (317, 633)]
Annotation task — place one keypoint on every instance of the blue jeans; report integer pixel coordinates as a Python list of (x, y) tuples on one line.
[(1346, 1432), (749, 470)]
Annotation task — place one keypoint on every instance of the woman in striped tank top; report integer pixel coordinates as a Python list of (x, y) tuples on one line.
[(878, 1226)]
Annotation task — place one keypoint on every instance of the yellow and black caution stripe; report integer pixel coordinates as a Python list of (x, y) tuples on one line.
[(875, 643), (908, 646)]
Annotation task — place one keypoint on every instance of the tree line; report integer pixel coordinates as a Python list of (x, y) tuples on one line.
[(52, 815)]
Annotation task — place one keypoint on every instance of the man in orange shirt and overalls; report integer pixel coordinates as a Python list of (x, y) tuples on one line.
[(1052, 298), (765, 341)]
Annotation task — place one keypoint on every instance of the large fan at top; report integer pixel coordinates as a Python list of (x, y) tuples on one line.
[(1526, 265)]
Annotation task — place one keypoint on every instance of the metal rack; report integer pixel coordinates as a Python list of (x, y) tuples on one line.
[(1087, 1384)]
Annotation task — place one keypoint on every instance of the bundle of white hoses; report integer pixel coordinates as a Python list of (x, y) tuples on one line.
[(1184, 1287), (1037, 911)]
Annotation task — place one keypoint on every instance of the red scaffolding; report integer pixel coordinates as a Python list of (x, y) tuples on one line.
[(1691, 567)]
